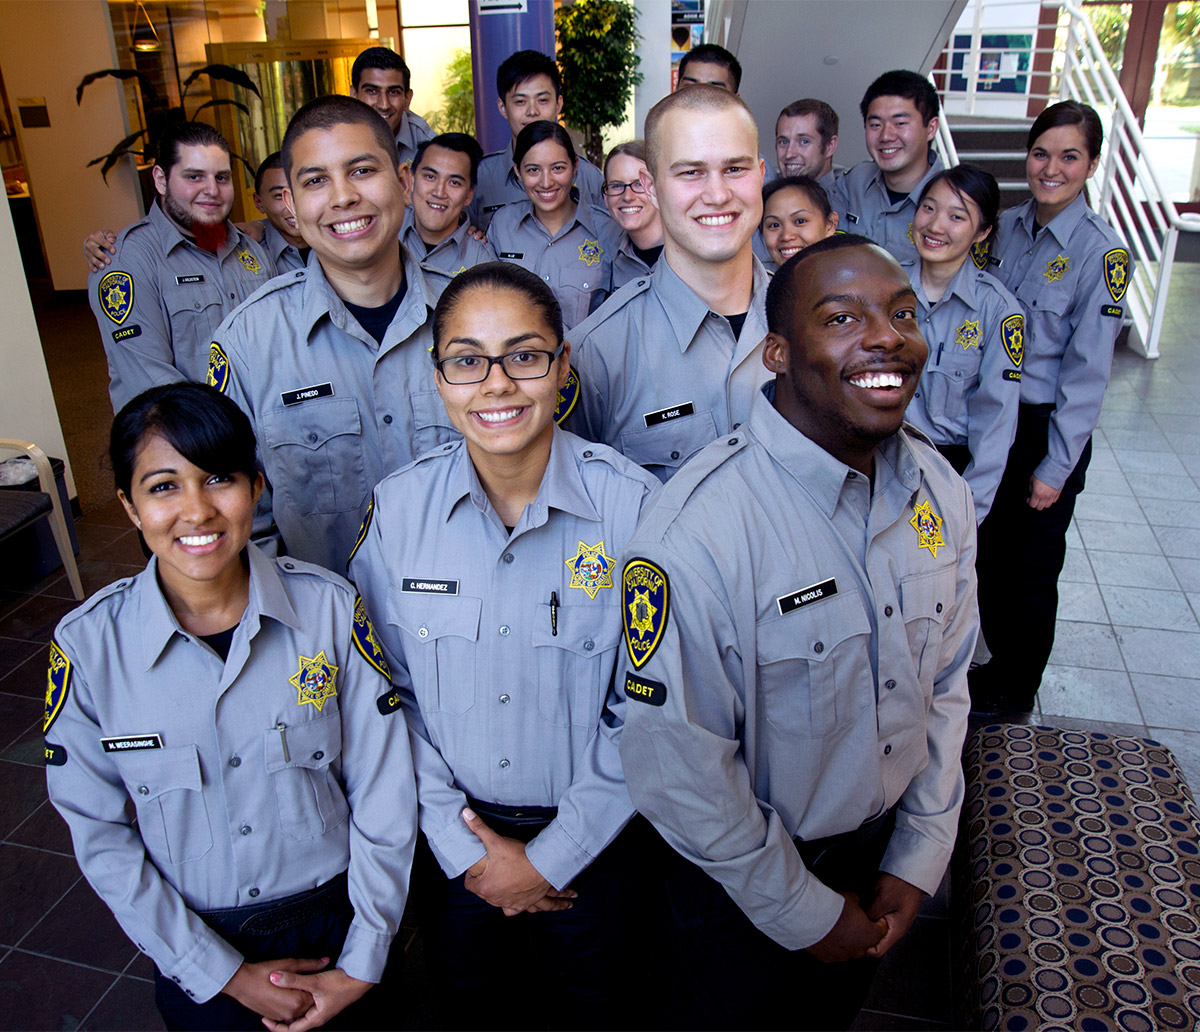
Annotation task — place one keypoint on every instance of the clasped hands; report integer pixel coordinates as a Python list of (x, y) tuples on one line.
[(505, 878)]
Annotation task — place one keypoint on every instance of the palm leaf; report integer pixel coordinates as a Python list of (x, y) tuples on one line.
[(217, 103), (224, 73), (117, 153), (150, 95)]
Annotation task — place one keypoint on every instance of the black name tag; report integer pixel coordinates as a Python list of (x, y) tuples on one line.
[(674, 412), (851, 217), (127, 332), (318, 390), (515, 255), (642, 689), (1113, 311), (1012, 374), (492, 207), (189, 279), (132, 743), (806, 596), (995, 261), (429, 587)]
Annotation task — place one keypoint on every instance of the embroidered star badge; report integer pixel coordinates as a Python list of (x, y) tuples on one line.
[(248, 260), (590, 251), (314, 680), (968, 334), (590, 568), (928, 525), (1056, 267)]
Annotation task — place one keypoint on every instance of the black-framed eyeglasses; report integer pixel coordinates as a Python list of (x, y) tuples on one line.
[(517, 365), (614, 189)]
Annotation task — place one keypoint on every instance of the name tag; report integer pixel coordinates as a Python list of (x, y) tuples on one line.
[(512, 254), (132, 743), (318, 390), (806, 596), (492, 207), (667, 414), (189, 279), (851, 217), (429, 587), (995, 261)]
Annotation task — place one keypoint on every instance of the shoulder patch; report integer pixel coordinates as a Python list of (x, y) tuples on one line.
[(568, 396), (980, 252), (58, 685), (56, 755), (1116, 272), (364, 639), (642, 689), (645, 606), (362, 533), (388, 702), (1012, 334), (116, 296), (218, 368)]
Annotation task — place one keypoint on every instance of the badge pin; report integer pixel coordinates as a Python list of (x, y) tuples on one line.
[(590, 568), (968, 334), (1056, 267), (590, 251), (315, 680), (928, 525)]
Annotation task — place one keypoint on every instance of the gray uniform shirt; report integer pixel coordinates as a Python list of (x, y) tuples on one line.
[(1071, 281), (413, 131), (796, 662), (661, 375), (627, 265), (286, 256), (860, 197), (162, 298), (498, 185), (970, 388), (334, 411), (457, 253), (576, 262), (254, 778), (510, 700)]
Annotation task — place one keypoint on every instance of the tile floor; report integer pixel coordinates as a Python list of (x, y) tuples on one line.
[(1127, 659)]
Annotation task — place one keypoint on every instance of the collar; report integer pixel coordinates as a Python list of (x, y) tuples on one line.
[(582, 217), (410, 236), (159, 624), (877, 180), (963, 284), (171, 236), (404, 135), (1062, 225), (684, 308), (274, 241)]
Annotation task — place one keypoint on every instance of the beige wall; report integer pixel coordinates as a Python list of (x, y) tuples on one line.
[(45, 49), (27, 407)]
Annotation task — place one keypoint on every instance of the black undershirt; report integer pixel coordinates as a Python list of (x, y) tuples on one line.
[(376, 320), (649, 255), (896, 196), (736, 322), (220, 642)]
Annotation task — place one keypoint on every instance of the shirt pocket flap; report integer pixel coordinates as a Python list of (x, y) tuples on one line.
[(928, 596), (428, 410), (313, 744), (190, 297), (428, 617), (586, 630), (812, 633), (151, 773), (312, 423), (671, 443)]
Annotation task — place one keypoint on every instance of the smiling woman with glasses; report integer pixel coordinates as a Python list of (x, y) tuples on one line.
[(629, 203), (493, 564)]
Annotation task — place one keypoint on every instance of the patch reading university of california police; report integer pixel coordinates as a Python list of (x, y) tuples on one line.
[(1012, 334), (218, 368), (590, 568), (979, 253), (928, 525), (315, 680), (116, 296), (58, 685), (794, 600), (364, 639), (642, 689), (1116, 272), (645, 602), (362, 529), (568, 395)]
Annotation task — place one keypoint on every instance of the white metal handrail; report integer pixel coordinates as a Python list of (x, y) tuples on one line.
[(1131, 195)]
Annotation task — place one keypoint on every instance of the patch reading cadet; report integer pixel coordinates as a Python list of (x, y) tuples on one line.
[(642, 689), (1012, 335), (568, 395), (317, 390), (314, 680), (644, 609), (56, 755), (806, 596), (1012, 374), (58, 685), (364, 639), (590, 568), (1113, 311), (1116, 272), (363, 528), (429, 587), (126, 332), (388, 702), (131, 743), (116, 296), (928, 525), (667, 414), (590, 252), (218, 368)]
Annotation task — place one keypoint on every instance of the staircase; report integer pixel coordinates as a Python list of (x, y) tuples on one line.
[(997, 145)]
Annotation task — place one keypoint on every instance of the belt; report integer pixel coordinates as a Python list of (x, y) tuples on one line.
[(278, 915), (1043, 409), (532, 817), (812, 851)]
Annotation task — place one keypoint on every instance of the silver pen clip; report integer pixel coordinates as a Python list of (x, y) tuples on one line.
[(282, 729)]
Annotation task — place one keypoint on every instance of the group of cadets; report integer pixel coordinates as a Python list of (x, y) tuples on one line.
[(679, 531)]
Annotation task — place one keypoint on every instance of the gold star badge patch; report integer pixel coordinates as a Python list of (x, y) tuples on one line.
[(968, 334), (590, 251), (928, 525), (314, 680), (1056, 267), (248, 260), (590, 568)]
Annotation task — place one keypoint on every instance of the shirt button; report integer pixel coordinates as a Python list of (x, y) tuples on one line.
[(508, 557), (504, 629), (589, 645), (736, 425), (423, 632), (253, 893), (887, 610), (196, 305), (889, 685), (235, 761), (587, 454), (732, 441), (175, 979), (318, 755), (504, 700), (245, 829), (504, 765), (674, 454), (851, 475), (143, 790), (388, 420), (819, 647), (312, 437), (938, 607), (289, 566), (887, 750)]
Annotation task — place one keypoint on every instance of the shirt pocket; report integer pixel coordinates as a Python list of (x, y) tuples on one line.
[(945, 390), (168, 791), (667, 446), (1049, 309), (925, 601), (318, 447), (431, 424), (440, 639), (309, 798), (814, 666), (575, 665)]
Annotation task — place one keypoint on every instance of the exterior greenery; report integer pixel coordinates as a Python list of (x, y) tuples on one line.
[(458, 114)]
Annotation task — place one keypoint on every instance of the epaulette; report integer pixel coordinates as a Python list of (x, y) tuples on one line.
[(918, 435), (101, 596)]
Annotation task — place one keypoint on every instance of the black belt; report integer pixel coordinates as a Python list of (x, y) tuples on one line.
[(811, 852), (1044, 409), (278, 915), (531, 817)]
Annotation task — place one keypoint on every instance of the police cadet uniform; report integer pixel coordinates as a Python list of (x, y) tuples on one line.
[(413, 131), (286, 257), (257, 780), (502, 645), (628, 264), (1071, 277), (498, 185), (966, 402), (162, 297), (575, 263), (334, 411), (661, 375), (864, 205), (457, 253), (797, 641)]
